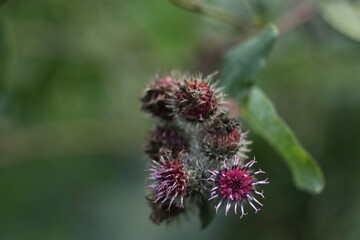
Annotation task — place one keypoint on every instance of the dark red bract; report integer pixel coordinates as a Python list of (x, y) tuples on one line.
[(157, 97), (169, 137), (195, 100), (223, 137), (226, 142)]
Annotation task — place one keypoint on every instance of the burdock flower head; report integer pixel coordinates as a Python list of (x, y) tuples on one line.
[(170, 179), (195, 135), (223, 137), (168, 136), (236, 185), (157, 97), (196, 99)]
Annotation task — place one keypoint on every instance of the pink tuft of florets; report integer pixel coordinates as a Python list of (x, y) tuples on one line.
[(195, 100), (236, 185), (170, 179)]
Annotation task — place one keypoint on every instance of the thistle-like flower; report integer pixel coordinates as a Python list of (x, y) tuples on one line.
[(196, 99), (223, 137), (236, 185), (157, 96), (195, 134), (170, 179), (170, 137)]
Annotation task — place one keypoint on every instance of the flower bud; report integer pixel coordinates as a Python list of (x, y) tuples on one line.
[(223, 137), (195, 100), (163, 213), (169, 137), (157, 97)]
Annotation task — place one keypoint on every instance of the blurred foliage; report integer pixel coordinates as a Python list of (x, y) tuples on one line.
[(344, 16), (243, 63), (259, 11), (261, 114), (240, 69), (71, 131)]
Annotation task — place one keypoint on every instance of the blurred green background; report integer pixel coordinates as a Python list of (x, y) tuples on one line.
[(71, 132)]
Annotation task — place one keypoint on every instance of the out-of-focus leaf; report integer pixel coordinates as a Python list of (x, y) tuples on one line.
[(3, 1), (343, 15), (256, 11), (3, 58), (243, 63), (206, 213), (260, 113)]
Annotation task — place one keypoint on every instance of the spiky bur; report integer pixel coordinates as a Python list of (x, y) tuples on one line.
[(236, 186), (168, 136), (170, 179), (157, 96), (196, 100), (223, 138)]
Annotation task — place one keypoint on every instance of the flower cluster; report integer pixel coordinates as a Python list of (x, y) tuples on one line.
[(196, 149)]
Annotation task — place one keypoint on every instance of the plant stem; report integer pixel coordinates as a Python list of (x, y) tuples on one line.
[(301, 13), (296, 16), (213, 12)]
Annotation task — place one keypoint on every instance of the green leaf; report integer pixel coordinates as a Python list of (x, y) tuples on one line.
[(206, 212), (260, 113), (343, 15), (243, 63)]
